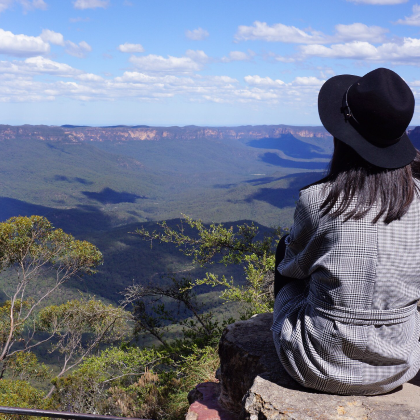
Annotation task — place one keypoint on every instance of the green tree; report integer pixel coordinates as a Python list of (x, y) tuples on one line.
[(244, 245), (152, 316), (18, 393), (94, 386), (25, 366), (133, 382), (31, 247), (80, 326)]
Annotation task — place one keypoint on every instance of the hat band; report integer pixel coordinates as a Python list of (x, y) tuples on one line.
[(371, 138), (345, 109)]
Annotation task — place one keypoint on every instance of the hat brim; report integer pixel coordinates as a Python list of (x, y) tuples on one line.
[(330, 101)]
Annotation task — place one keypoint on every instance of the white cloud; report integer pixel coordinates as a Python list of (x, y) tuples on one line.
[(264, 89), (27, 5), (250, 95), (238, 56), (38, 65), (22, 45), (29, 46), (194, 87), (308, 81), (52, 37), (17, 83), (359, 32), (197, 34), (222, 79), (44, 65), (197, 55), (79, 50), (355, 50), (379, 2), (131, 48), (414, 19), (157, 63), (192, 61), (407, 51), (175, 82), (263, 81), (141, 78), (267, 82), (277, 33), (290, 34), (156, 78), (90, 4), (90, 77)]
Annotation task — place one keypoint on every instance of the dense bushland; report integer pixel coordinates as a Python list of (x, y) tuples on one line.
[(100, 368)]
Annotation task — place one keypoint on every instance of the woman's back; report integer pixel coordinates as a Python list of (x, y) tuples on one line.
[(350, 325), (397, 282), (357, 263)]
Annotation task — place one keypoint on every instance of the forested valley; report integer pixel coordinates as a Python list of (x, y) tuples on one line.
[(125, 251)]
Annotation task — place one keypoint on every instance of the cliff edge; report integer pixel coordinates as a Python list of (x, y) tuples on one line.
[(254, 385)]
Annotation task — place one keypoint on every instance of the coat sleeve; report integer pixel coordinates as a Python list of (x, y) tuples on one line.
[(301, 250)]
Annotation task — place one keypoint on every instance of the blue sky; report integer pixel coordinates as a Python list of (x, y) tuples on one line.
[(181, 62)]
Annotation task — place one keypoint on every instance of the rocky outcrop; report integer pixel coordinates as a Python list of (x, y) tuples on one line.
[(267, 400), (246, 350), (255, 386)]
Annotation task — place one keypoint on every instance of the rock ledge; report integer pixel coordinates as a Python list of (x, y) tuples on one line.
[(255, 386)]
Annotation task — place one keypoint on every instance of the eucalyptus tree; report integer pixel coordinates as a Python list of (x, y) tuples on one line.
[(39, 259)]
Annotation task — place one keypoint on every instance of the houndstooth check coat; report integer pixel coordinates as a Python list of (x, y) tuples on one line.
[(349, 322)]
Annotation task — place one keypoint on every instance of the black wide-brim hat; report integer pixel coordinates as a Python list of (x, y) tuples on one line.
[(370, 114)]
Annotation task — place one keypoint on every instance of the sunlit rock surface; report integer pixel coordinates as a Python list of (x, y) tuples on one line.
[(255, 386)]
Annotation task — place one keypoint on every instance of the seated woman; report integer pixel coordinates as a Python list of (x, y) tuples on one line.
[(345, 315)]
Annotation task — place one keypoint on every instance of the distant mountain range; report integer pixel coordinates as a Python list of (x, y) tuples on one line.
[(317, 136), (124, 133), (119, 133)]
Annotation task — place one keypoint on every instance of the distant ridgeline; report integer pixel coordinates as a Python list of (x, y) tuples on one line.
[(122, 133), (141, 132)]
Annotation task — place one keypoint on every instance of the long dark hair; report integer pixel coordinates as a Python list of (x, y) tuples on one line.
[(351, 179)]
